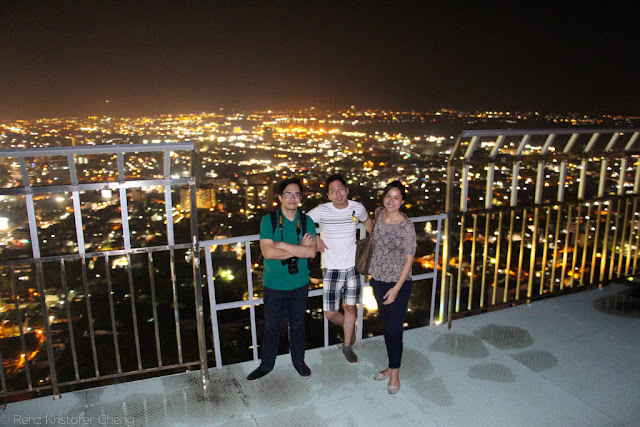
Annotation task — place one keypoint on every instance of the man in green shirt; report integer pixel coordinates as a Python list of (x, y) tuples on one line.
[(285, 246)]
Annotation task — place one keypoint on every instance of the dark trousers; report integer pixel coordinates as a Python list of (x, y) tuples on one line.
[(277, 305), (392, 316)]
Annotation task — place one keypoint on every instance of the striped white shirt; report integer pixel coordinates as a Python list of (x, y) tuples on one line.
[(338, 231)]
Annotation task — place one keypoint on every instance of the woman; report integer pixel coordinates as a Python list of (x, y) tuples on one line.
[(395, 247)]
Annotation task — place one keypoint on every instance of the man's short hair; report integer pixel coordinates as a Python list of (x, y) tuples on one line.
[(288, 181), (336, 177)]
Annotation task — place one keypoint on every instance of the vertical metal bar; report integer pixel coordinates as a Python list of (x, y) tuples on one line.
[(325, 332), (112, 312), (435, 278), (565, 251), (539, 182), (631, 229), (596, 236), (514, 183), (464, 193), (562, 181), (124, 211), (612, 259), (47, 330), (488, 196), (197, 275), (75, 196), (605, 242), (174, 291), (134, 314), (545, 250), (450, 309), (509, 254), (448, 226), (583, 179), (532, 257), (87, 299), (360, 309), (556, 243), (637, 251), (623, 176), (585, 246), (485, 255), (636, 181), (574, 258), (3, 381), (473, 261), (495, 274), (154, 307), (33, 225), (521, 253), (252, 307), (168, 203), (19, 322), (623, 236), (603, 175), (214, 310), (67, 304), (460, 256)]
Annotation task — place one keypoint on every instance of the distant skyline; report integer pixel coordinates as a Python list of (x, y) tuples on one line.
[(146, 58)]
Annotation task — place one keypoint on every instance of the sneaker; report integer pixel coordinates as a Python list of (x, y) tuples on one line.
[(257, 374), (302, 369), (349, 355)]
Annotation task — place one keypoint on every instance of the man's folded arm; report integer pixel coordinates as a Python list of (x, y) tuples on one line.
[(271, 252)]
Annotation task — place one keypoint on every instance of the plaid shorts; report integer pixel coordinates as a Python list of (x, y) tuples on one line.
[(345, 284)]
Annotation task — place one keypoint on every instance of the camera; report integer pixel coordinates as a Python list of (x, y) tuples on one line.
[(292, 264)]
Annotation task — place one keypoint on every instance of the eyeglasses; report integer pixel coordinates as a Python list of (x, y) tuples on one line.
[(289, 195)]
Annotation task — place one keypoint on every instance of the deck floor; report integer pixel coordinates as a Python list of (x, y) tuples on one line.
[(572, 360)]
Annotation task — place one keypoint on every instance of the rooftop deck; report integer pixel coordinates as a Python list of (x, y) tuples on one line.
[(570, 360)]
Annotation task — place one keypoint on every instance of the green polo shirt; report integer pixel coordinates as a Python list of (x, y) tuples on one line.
[(276, 275)]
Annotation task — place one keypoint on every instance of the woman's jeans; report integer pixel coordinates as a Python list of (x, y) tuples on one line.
[(277, 304), (393, 316)]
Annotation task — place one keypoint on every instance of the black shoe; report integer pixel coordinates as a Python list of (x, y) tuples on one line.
[(257, 374), (302, 369), (351, 357)]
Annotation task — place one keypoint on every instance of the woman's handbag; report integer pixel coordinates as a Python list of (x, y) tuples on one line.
[(364, 250)]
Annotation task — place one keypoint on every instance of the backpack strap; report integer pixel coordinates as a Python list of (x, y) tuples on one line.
[(275, 221), (303, 220)]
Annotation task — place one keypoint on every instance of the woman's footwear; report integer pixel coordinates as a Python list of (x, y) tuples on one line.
[(391, 389), (379, 376)]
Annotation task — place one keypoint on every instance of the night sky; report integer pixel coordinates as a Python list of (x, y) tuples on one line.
[(67, 58)]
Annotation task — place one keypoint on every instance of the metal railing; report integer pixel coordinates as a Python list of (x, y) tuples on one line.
[(529, 213), (535, 212), (252, 301), (93, 287), (106, 308)]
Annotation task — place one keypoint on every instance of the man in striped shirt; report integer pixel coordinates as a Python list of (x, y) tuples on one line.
[(338, 220)]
